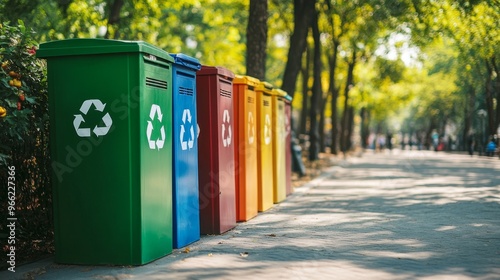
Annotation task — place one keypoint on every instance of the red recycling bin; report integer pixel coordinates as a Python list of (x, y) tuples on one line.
[(288, 144), (214, 107)]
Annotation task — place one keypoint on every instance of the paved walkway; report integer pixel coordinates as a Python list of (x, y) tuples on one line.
[(405, 215)]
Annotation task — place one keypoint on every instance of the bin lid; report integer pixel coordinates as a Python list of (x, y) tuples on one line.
[(288, 98), (215, 70), (279, 92), (88, 46), (245, 80), (186, 61), (265, 87)]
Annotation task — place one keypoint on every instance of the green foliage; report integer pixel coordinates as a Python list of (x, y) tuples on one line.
[(22, 87), (390, 69), (24, 141)]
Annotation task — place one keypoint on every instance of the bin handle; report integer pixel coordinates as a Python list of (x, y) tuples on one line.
[(156, 61), (190, 65)]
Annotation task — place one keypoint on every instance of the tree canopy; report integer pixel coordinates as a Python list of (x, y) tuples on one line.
[(423, 60)]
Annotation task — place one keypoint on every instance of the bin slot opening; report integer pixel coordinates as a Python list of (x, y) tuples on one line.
[(266, 103), (185, 90), (252, 88), (152, 82), (251, 100)]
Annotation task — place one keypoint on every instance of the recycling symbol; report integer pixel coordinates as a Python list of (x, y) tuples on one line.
[(251, 128), (267, 130), (282, 126), (158, 143), (186, 116), (226, 137), (98, 130)]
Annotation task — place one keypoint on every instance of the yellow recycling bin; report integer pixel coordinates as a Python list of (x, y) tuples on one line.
[(279, 153), (264, 146), (245, 149)]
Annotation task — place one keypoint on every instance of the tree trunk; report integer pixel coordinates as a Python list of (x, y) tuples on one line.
[(345, 116), (489, 104), (365, 124), (322, 136), (468, 114), (257, 39), (334, 121), (114, 17), (333, 89), (64, 5), (305, 95), (316, 92), (350, 127), (303, 14), (496, 89)]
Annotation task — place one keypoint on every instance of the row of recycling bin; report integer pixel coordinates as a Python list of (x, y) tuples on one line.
[(150, 150)]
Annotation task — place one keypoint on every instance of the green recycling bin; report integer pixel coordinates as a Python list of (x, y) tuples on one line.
[(110, 112)]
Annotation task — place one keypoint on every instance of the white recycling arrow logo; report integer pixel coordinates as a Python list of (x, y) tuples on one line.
[(186, 116), (251, 128), (98, 130), (267, 130), (226, 137), (158, 143)]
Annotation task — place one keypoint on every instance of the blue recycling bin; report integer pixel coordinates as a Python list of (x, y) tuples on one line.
[(186, 210)]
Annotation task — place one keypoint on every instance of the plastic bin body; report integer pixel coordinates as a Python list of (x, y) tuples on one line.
[(110, 130), (214, 101), (245, 152), (288, 144), (264, 146), (186, 211), (279, 134)]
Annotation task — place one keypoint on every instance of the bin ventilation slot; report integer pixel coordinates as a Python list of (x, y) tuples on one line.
[(226, 93), (185, 90), (156, 83), (252, 88), (250, 100), (180, 73), (266, 103)]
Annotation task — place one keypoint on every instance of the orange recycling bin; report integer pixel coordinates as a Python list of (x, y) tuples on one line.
[(245, 150), (288, 144), (264, 146), (278, 139)]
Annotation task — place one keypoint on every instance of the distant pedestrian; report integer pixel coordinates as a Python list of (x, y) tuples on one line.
[(491, 148), (471, 143), (389, 141), (381, 142)]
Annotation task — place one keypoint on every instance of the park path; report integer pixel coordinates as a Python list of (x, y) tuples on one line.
[(399, 215)]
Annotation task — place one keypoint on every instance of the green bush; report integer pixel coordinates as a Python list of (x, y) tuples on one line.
[(24, 141)]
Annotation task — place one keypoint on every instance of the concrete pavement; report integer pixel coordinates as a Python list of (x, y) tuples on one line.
[(405, 215)]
